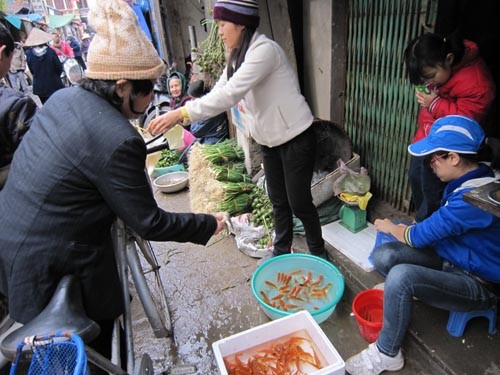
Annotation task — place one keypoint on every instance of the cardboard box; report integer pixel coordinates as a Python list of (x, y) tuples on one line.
[(276, 329), (323, 189)]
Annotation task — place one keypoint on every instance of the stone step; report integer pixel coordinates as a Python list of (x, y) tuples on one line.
[(428, 347)]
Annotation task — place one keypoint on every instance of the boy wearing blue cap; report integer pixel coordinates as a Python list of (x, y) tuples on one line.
[(451, 260)]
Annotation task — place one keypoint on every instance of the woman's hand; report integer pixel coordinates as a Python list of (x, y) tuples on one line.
[(424, 99), (387, 226), (165, 122)]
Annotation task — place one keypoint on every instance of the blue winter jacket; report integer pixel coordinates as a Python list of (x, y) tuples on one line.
[(461, 233), (77, 50)]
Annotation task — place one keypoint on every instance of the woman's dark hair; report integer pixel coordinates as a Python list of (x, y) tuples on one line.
[(107, 90), (6, 39), (489, 151), (430, 50), (237, 55)]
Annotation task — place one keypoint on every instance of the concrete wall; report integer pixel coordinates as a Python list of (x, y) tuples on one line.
[(182, 14), (317, 55)]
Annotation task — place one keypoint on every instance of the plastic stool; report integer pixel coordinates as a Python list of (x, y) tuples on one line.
[(458, 320)]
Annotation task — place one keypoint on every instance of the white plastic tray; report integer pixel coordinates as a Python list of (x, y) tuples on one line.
[(356, 246)]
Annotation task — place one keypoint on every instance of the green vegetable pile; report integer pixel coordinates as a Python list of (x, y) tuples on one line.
[(168, 158), (211, 53), (225, 160), (262, 209), (237, 198), (262, 214), (224, 152), (233, 172)]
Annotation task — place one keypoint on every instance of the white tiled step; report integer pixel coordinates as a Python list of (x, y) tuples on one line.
[(355, 246)]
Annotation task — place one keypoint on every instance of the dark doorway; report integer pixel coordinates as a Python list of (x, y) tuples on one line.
[(477, 20)]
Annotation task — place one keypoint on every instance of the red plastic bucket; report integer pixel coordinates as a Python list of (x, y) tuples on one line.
[(368, 308)]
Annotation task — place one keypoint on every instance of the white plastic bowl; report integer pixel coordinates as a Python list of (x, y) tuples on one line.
[(172, 182)]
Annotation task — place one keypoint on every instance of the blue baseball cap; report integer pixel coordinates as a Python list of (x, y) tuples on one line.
[(451, 133)]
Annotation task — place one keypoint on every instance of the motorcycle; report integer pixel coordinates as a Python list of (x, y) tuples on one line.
[(72, 73)]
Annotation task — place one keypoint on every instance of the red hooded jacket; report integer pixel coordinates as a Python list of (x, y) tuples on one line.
[(469, 92)]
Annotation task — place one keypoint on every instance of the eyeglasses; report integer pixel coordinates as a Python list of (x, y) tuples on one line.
[(435, 157)]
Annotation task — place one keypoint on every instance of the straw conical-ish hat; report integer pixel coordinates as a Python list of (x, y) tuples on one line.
[(37, 37)]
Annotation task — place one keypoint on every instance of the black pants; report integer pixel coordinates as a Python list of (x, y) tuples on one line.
[(426, 188), (288, 169)]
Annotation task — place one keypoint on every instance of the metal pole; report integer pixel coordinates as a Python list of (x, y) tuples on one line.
[(120, 254), (192, 37)]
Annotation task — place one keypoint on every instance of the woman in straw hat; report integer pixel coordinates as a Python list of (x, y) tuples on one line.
[(82, 165), (259, 80), (44, 65)]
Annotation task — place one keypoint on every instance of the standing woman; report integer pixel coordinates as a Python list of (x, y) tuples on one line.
[(259, 79), (43, 64)]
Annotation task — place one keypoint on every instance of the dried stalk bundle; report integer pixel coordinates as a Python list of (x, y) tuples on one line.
[(204, 190)]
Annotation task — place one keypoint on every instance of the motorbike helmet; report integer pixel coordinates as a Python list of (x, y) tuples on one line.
[(177, 75)]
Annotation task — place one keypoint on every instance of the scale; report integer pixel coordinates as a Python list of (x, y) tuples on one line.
[(352, 217)]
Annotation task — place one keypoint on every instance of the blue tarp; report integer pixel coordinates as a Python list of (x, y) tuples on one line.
[(142, 21), (34, 17)]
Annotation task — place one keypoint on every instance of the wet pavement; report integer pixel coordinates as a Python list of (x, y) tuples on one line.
[(209, 295)]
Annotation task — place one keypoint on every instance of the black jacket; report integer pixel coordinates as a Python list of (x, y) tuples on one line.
[(16, 113), (78, 168), (46, 70)]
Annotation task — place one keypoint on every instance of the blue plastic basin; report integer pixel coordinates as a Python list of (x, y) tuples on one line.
[(306, 263), (160, 171)]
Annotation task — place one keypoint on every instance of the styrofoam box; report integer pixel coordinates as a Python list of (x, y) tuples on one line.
[(323, 189), (275, 329)]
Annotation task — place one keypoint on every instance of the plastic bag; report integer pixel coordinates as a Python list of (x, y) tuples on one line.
[(350, 181), (248, 236)]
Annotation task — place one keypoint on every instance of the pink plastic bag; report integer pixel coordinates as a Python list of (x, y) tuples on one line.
[(188, 139)]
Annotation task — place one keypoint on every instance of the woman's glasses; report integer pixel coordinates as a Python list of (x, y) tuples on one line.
[(437, 156)]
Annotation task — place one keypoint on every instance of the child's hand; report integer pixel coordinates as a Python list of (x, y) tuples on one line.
[(387, 226), (424, 99)]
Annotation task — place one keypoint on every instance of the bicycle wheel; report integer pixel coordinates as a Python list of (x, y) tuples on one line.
[(145, 272), (151, 114), (143, 365)]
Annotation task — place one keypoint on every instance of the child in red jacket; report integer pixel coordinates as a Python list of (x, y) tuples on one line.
[(455, 81)]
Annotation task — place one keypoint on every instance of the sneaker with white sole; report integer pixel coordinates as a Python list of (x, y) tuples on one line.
[(372, 362)]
